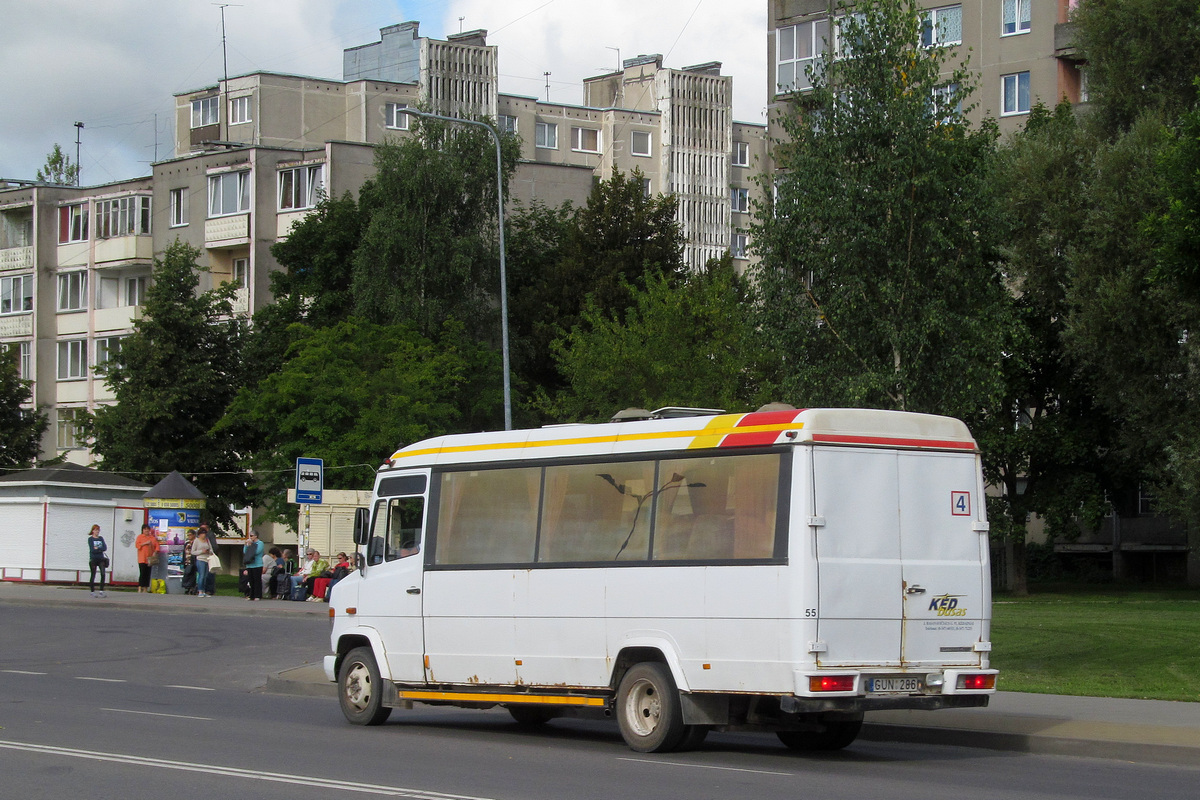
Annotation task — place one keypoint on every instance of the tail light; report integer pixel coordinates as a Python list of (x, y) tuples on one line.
[(976, 681), (831, 683)]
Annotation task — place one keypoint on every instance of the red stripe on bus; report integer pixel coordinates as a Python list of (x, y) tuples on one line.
[(892, 442), (756, 439), (757, 418)]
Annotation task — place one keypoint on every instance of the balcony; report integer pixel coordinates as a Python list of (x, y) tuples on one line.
[(116, 319), (241, 301), (124, 248), (1065, 34), (225, 232), (16, 325), (16, 258), (74, 254)]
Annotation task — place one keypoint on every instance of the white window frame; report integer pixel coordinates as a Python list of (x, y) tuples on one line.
[(1010, 94), (72, 360), (1016, 17), (179, 207), (72, 290), (646, 188), (938, 98), (507, 123), (933, 30), (546, 135), (843, 47), (216, 194), (134, 287), (240, 272), (16, 294), (106, 348), (739, 199), (578, 135), (395, 116), (25, 360), (239, 110), (738, 243), (300, 187), (75, 219), (123, 216), (741, 154), (68, 428), (206, 111), (634, 137), (810, 37)]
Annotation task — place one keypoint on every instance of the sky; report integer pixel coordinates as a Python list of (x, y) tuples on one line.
[(116, 65)]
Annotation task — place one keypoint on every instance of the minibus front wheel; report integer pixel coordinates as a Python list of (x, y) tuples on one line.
[(648, 709), (360, 689)]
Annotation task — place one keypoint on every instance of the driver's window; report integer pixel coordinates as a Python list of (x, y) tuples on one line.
[(405, 515)]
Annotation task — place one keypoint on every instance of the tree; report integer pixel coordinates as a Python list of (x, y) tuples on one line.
[(878, 280), (352, 393), (428, 251), (1142, 56), (680, 343), (173, 379), (21, 428), (58, 168)]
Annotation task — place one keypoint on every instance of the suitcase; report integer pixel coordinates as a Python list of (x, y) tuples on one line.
[(297, 592)]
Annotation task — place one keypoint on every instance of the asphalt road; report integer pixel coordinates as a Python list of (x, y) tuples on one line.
[(146, 704)]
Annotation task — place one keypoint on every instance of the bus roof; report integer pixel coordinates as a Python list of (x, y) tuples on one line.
[(837, 426)]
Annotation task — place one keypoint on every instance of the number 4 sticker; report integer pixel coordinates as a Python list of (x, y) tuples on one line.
[(960, 504)]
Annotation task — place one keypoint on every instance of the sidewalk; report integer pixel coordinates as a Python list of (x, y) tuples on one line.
[(1129, 730)]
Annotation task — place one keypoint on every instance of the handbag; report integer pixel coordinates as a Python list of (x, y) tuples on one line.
[(152, 559), (214, 562), (104, 562)]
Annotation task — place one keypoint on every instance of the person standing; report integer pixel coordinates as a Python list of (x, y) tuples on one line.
[(252, 561), (188, 582), (147, 547), (201, 550), (97, 559), (210, 585)]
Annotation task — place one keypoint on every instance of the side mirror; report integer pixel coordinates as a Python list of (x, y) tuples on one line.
[(362, 526)]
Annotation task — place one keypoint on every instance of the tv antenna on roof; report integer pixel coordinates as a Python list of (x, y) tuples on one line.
[(460, 22), (546, 75), (224, 65)]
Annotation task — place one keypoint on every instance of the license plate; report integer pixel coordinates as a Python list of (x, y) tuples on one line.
[(894, 685)]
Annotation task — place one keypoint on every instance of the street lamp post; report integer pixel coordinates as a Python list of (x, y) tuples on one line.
[(503, 273)]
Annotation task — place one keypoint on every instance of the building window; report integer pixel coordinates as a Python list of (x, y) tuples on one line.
[(739, 199), (241, 272), (205, 111), (135, 291), (799, 48), (1014, 94), (69, 434), (741, 154), (508, 124), (546, 135), (106, 349), (585, 140), (1016, 16), (72, 291), (396, 119), (639, 143), (179, 207), (16, 294), (737, 245), (72, 360), (123, 216), (25, 361), (646, 187), (945, 105), (942, 26), (73, 223), (228, 194), (300, 187), (239, 110)]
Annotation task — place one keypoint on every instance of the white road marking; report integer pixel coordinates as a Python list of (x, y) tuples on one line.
[(233, 772), (23, 672), (156, 714), (193, 688), (102, 680), (703, 766)]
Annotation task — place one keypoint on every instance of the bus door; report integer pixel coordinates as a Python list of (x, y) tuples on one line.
[(394, 578)]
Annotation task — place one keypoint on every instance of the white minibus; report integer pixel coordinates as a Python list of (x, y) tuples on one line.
[(776, 570)]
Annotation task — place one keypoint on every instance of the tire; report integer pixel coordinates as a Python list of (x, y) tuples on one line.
[(838, 733), (648, 709), (360, 689), (532, 716), (693, 737)]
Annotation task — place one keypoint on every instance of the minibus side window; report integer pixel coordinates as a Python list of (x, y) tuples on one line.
[(405, 518)]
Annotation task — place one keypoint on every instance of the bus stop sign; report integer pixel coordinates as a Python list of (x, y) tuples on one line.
[(310, 480)]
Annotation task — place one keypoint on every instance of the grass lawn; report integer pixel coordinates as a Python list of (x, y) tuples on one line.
[(1103, 643)]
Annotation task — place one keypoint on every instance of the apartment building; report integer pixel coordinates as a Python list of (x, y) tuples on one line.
[(1019, 51)]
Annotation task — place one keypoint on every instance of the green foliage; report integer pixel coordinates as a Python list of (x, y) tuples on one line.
[(21, 428), (879, 278), (1177, 228), (58, 168), (428, 250), (173, 379), (680, 343), (352, 393), (317, 260), (1142, 56)]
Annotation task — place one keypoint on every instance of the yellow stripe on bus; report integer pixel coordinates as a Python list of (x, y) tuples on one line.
[(709, 436), (495, 697)]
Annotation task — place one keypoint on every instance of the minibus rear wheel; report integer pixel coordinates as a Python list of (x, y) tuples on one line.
[(360, 689), (648, 709)]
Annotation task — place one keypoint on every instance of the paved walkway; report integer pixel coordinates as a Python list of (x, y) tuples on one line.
[(1129, 730)]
